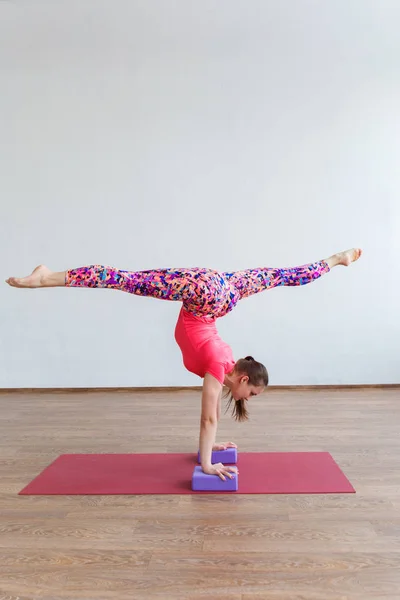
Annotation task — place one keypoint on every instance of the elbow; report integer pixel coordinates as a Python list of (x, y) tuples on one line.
[(208, 420)]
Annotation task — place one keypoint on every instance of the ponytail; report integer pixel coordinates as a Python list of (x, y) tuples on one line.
[(239, 410)]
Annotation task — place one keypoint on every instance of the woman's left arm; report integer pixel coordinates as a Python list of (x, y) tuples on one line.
[(223, 445), (219, 406)]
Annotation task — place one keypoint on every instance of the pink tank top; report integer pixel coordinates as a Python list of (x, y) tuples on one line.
[(203, 351)]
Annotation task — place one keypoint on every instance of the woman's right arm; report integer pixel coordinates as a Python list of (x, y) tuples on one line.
[(208, 428)]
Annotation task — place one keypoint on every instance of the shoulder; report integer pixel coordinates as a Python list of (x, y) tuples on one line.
[(213, 378)]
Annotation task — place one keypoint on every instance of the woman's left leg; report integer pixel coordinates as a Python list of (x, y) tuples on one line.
[(252, 281)]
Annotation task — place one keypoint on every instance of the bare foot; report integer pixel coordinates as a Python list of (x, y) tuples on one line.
[(344, 258), (348, 256), (36, 279)]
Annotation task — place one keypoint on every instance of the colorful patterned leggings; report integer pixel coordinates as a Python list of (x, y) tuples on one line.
[(203, 292)]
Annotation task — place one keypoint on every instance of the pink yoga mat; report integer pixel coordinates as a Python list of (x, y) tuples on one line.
[(259, 473)]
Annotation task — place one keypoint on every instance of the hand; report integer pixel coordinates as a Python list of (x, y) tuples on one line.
[(224, 446), (222, 471)]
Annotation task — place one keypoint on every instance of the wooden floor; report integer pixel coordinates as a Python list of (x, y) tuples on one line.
[(317, 547)]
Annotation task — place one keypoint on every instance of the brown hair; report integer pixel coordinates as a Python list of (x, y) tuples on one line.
[(257, 374)]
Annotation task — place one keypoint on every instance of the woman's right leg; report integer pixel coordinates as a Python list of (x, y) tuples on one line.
[(165, 284), (40, 277), (184, 285), (203, 292), (161, 283)]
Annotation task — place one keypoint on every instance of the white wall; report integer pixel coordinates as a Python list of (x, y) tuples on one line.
[(227, 134)]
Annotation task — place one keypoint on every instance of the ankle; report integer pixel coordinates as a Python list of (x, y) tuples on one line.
[(52, 279), (332, 261), (45, 280)]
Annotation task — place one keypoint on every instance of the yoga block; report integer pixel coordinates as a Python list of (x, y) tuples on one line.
[(201, 482), (226, 457)]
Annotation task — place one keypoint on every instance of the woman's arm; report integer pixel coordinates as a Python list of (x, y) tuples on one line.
[(219, 404), (209, 418), (208, 426)]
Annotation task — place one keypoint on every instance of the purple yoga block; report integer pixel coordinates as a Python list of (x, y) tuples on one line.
[(226, 457), (201, 482)]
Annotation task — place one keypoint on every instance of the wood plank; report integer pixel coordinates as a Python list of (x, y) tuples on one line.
[(281, 547)]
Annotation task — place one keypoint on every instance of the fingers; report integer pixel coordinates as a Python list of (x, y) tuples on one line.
[(224, 472), (234, 470), (224, 446), (219, 470)]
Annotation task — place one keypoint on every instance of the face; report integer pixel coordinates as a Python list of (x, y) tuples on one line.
[(243, 390)]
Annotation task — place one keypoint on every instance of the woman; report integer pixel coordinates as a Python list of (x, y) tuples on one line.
[(206, 295)]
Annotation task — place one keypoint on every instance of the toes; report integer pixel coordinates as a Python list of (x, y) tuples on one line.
[(14, 281)]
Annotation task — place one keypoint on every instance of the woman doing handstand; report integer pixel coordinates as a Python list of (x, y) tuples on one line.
[(206, 295)]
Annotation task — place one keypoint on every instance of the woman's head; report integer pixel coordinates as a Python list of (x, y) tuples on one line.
[(248, 379)]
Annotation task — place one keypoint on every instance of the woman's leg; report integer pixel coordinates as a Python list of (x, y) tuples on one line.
[(252, 281), (196, 288), (165, 284), (40, 277)]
